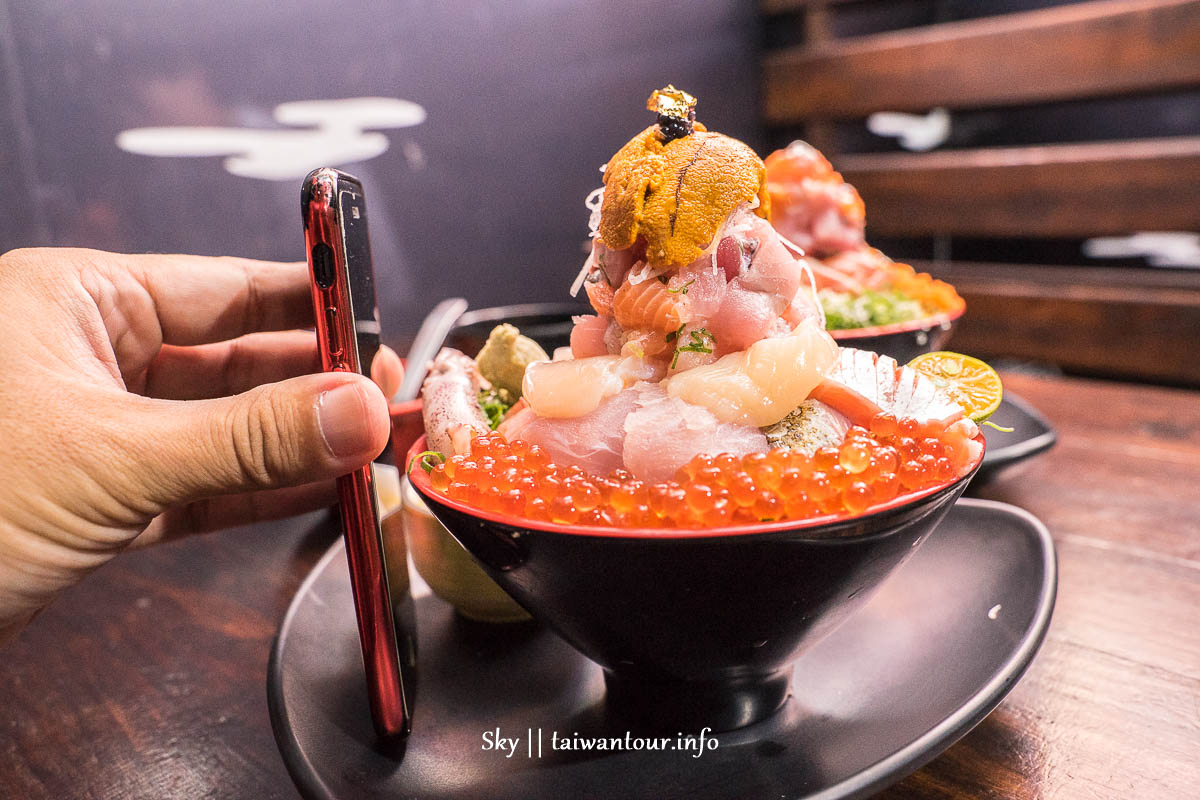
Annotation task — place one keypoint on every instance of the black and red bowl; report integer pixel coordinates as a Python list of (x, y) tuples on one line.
[(693, 628)]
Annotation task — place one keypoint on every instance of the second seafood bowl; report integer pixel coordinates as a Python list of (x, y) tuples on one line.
[(903, 341), (869, 301)]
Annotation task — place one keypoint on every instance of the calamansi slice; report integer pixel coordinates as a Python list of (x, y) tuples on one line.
[(966, 380)]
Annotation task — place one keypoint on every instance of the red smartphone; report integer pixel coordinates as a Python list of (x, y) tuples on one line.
[(347, 320)]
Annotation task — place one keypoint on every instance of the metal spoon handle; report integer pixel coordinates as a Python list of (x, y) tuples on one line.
[(434, 330)]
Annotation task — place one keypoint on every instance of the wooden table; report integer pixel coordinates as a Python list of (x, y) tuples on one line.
[(148, 680)]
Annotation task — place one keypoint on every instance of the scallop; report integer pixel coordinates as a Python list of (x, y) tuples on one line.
[(761, 385)]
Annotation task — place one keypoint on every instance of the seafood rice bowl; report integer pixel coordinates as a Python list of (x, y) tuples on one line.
[(704, 391)]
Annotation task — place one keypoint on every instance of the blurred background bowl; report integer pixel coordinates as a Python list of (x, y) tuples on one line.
[(903, 341), (548, 324)]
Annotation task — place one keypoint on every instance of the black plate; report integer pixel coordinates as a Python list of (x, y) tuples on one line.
[(1032, 434), (933, 652)]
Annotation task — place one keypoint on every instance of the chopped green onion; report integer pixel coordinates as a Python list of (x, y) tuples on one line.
[(494, 407), (423, 460), (682, 289), (701, 342), (872, 307)]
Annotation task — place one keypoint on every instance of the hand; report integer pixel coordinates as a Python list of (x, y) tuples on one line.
[(146, 397)]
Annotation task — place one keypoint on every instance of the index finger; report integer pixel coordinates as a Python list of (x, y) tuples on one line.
[(201, 299)]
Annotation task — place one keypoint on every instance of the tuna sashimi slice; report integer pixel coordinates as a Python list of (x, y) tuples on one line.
[(745, 316), (588, 336)]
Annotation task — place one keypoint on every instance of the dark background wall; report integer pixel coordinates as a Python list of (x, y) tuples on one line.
[(525, 100)]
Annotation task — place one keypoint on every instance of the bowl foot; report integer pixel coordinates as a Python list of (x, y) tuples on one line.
[(673, 706)]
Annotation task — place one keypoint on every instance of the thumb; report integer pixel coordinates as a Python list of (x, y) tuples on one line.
[(297, 431)]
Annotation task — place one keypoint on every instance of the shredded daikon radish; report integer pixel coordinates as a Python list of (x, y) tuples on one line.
[(644, 272), (593, 202), (812, 285), (739, 220), (583, 273), (790, 245)]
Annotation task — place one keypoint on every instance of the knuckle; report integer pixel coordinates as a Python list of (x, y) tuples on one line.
[(254, 306), (265, 440), (19, 254), (238, 367), (21, 260)]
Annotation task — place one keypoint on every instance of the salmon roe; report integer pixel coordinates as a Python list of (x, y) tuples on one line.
[(868, 468)]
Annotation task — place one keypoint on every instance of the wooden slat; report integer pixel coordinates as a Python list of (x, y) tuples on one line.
[(821, 135), (818, 22), (772, 7), (1142, 324), (1051, 190), (1080, 50)]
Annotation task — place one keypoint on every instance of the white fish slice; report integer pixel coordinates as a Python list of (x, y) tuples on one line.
[(896, 389)]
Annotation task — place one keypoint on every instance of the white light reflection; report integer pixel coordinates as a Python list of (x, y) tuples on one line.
[(335, 132)]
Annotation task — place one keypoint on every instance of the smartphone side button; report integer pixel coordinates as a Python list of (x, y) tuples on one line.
[(331, 331)]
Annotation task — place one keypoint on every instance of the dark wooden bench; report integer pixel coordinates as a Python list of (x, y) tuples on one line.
[(1118, 321)]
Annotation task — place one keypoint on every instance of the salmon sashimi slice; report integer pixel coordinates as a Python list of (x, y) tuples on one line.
[(648, 305), (600, 295)]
